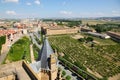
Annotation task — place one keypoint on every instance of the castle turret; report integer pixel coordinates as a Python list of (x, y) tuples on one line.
[(46, 66)]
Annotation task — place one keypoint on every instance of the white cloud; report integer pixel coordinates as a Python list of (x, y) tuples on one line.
[(14, 1), (116, 13), (91, 14), (28, 3), (65, 12), (11, 12), (37, 2)]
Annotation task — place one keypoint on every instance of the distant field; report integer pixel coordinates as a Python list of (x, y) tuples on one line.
[(19, 50), (94, 22), (103, 59)]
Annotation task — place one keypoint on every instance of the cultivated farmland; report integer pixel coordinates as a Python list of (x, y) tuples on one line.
[(103, 59)]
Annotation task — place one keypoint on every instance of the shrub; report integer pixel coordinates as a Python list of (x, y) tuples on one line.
[(68, 77), (63, 73), (82, 39), (89, 39)]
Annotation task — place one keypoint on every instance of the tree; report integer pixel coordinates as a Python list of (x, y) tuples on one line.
[(63, 73), (104, 78), (68, 77), (82, 39), (89, 39)]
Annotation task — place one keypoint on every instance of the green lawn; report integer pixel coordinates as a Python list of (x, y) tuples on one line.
[(93, 59), (19, 50)]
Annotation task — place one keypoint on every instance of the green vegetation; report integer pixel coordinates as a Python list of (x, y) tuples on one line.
[(68, 77), (104, 78), (63, 73), (38, 41), (2, 41), (94, 22), (105, 27), (81, 70), (87, 39), (96, 59), (69, 23), (74, 23), (41, 36), (19, 50), (35, 50)]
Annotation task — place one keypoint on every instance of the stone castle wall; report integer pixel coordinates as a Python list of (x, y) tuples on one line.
[(61, 31)]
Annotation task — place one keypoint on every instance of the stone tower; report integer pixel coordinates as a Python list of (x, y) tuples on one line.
[(46, 66), (53, 66)]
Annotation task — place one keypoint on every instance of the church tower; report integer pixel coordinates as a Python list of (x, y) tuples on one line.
[(53, 66), (46, 66)]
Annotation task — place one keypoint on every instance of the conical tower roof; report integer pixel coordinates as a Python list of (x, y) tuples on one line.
[(44, 54), (43, 57)]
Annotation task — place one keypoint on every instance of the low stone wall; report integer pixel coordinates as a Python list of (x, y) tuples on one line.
[(29, 71), (114, 36), (8, 77)]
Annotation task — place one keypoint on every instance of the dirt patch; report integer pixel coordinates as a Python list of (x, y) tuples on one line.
[(107, 57), (117, 63), (94, 73), (77, 36), (116, 77), (96, 42)]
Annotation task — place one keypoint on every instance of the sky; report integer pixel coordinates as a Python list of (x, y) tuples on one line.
[(59, 8)]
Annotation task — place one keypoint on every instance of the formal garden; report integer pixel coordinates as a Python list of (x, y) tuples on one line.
[(103, 59), (20, 50)]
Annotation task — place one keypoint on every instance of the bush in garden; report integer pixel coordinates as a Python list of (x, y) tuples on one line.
[(68, 77), (80, 65), (82, 39), (63, 73), (89, 39)]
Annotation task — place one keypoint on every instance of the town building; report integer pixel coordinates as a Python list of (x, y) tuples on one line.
[(83, 29), (103, 36), (59, 30), (115, 36), (17, 71)]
